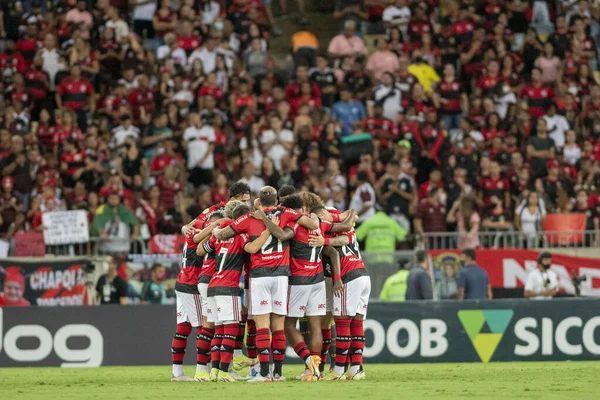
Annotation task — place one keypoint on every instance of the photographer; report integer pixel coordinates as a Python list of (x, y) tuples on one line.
[(542, 283)]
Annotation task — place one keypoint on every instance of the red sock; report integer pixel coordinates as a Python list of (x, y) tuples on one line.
[(251, 339), (205, 336), (278, 345), (239, 340), (230, 332), (357, 346), (179, 342), (263, 345), (342, 341), (215, 346), (302, 351), (326, 344)]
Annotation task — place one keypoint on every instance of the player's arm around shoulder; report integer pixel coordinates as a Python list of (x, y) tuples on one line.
[(254, 246), (205, 247), (346, 224), (204, 234), (309, 222), (272, 225)]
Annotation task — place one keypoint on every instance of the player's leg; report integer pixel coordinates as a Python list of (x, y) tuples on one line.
[(215, 351), (229, 311), (279, 295), (342, 329), (326, 333), (295, 339), (297, 300), (326, 329), (204, 338), (241, 361), (357, 330), (315, 310), (182, 331), (203, 345), (260, 308)]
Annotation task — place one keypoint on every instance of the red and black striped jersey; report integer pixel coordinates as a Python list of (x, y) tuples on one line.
[(273, 259), (191, 264), (230, 260), (538, 99), (351, 263), (451, 92), (74, 94), (305, 260)]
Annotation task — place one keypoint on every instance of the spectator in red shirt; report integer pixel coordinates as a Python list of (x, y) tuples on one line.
[(75, 93), (435, 180), (431, 216)]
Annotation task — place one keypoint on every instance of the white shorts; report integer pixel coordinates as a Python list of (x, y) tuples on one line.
[(224, 309), (203, 289), (355, 298), (189, 308), (268, 295), (329, 294), (309, 300)]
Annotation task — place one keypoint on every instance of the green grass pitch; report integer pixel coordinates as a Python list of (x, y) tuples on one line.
[(566, 380)]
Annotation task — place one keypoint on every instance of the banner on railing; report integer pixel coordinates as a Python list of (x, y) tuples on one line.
[(166, 244), (510, 268), (29, 244), (45, 283), (449, 331), (66, 227)]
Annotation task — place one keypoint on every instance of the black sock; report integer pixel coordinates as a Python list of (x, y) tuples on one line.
[(264, 369), (224, 367), (215, 364), (322, 367), (277, 366)]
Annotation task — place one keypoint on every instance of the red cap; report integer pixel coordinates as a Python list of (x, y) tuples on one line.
[(7, 181), (552, 164), (13, 274)]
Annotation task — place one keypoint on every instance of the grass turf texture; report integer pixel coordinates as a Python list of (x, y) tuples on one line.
[(572, 380)]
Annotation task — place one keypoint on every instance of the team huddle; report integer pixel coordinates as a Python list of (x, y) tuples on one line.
[(297, 259)]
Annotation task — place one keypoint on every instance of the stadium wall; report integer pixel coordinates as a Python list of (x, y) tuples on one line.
[(468, 331)]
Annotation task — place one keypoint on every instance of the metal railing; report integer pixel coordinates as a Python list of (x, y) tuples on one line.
[(97, 247), (507, 239)]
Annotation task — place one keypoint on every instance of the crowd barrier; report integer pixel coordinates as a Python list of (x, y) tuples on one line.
[(27, 245), (510, 239), (467, 331)]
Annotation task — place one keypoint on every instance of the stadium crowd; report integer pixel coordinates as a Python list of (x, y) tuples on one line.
[(483, 115)]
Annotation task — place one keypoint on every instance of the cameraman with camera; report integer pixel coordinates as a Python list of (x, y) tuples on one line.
[(542, 283)]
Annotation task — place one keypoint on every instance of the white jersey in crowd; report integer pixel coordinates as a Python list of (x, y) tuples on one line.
[(277, 151), (199, 140), (364, 196), (398, 17), (392, 104), (538, 281)]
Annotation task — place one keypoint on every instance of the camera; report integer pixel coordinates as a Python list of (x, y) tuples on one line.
[(577, 279)]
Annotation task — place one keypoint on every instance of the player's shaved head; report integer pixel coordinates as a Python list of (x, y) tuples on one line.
[(242, 209), (267, 196), (292, 201), (284, 191), (232, 205)]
